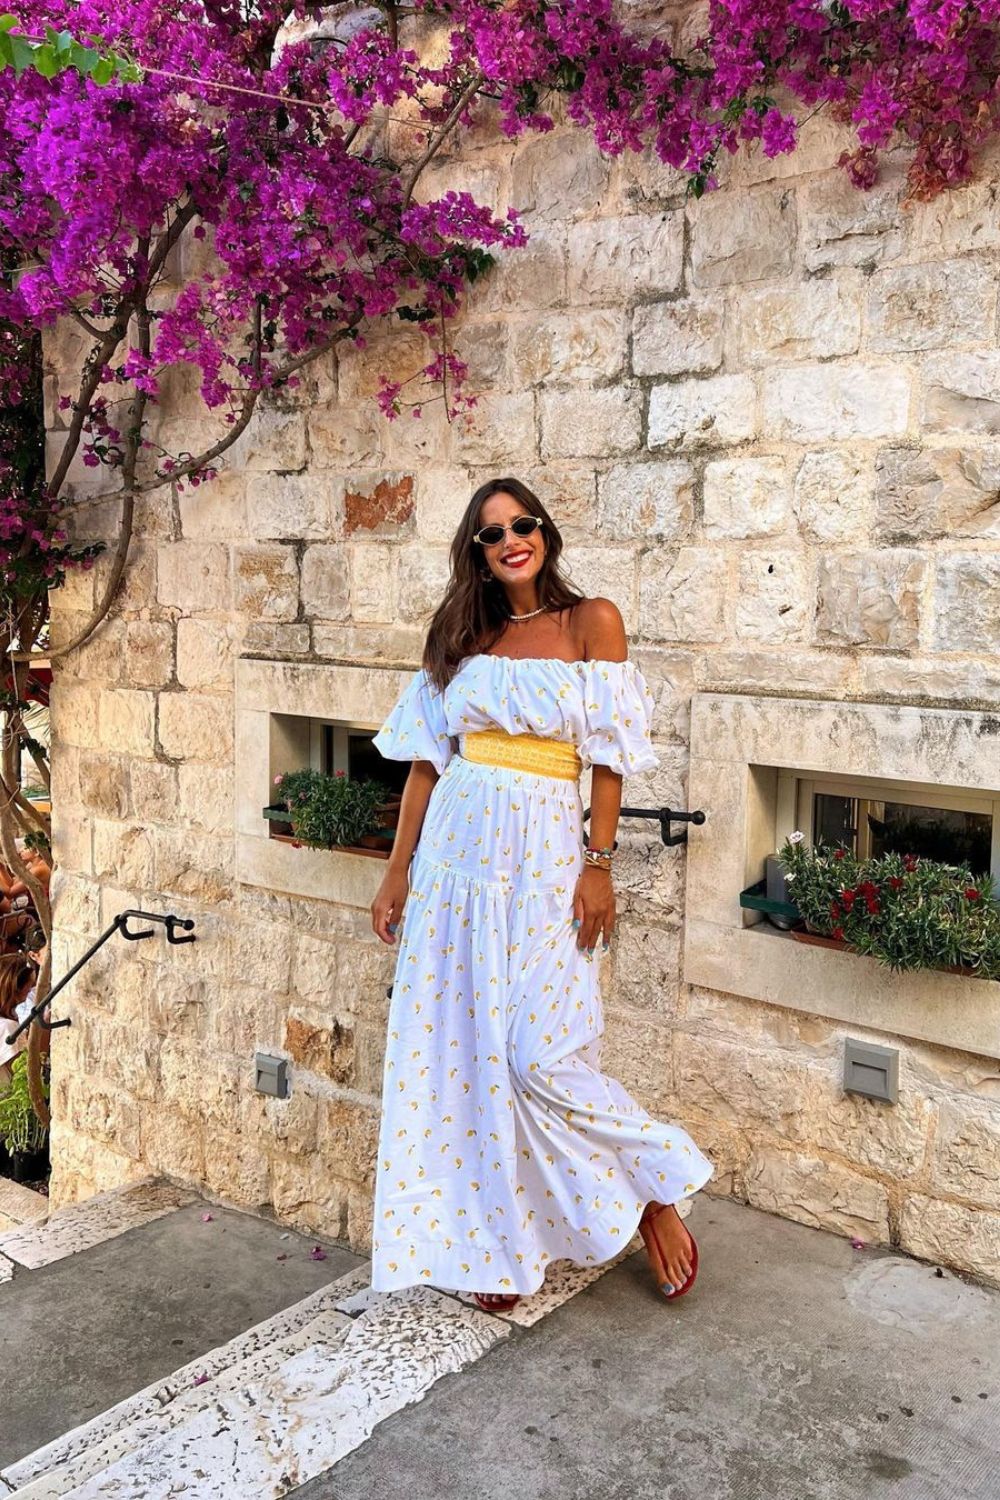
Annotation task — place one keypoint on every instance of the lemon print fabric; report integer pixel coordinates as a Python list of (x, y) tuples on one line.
[(503, 1146)]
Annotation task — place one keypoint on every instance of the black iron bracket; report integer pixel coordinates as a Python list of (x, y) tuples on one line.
[(120, 924), (666, 816)]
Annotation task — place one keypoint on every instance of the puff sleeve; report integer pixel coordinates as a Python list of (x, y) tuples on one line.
[(416, 728), (618, 711)]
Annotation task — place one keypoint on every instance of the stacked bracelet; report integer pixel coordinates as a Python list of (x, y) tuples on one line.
[(599, 857)]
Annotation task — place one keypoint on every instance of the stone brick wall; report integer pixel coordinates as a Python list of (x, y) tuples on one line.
[(767, 424)]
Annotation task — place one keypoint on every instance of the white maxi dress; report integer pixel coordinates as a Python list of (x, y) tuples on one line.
[(502, 1145)]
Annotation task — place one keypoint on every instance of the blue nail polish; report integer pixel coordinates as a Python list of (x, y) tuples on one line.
[(576, 923), (590, 952), (605, 947), (393, 926), (667, 1286)]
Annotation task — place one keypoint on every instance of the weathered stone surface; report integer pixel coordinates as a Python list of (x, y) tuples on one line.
[(678, 338), (206, 796), (343, 436), (962, 392), (194, 726), (967, 603), (607, 572), (851, 399), (646, 966), (937, 492), (381, 504), (292, 507), (746, 497), (773, 600), (559, 176), (870, 598), (813, 320), (193, 576), (534, 276), (214, 512), (275, 440), (125, 720), (123, 853), (484, 346), (149, 654), (500, 430), (264, 638), (193, 864), (326, 581), (205, 654), (832, 496), (842, 227), (749, 239), (569, 346), (818, 1193), (328, 1050), (372, 584), (266, 582), (965, 1159), (952, 1234), (422, 576), (931, 306), (682, 597), (614, 260), (650, 499), (598, 424), (154, 791), (700, 413), (104, 785)]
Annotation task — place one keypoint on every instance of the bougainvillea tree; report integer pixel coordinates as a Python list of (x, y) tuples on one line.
[(131, 127)]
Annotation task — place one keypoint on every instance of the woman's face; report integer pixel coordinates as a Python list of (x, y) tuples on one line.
[(517, 559)]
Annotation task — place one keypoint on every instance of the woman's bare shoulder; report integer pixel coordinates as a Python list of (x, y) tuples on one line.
[(601, 630)]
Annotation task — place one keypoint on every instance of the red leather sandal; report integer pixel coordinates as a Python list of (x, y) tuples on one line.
[(656, 1256), (510, 1299)]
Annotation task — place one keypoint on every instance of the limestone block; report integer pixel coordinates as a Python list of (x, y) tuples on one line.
[(104, 785), (774, 598), (266, 582), (274, 440), (811, 320), (102, 657), (682, 597), (125, 719), (968, 684), (194, 726), (104, 1117), (192, 576), (442, 495), (870, 598), (678, 338), (206, 796), (644, 179), (500, 430), (75, 903), (177, 1007), (606, 572), (484, 346), (237, 1170), (967, 603), (305, 1191), (292, 1122), (425, 434), (123, 853), (154, 791), (745, 237), (937, 492), (646, 500), (193, 864), (559, 176), (965, 1159), (149, 654), (614, 260), (951, 1234), (598, 424), (379, 504), (397, 357), (487, 180), (326, 581), (294, 507), (263, 638), (251, 1020), (637, 1051), (962, 392), (746, 497), (832, 496), (931, 306), (264, 949), (345, 436), (699, 413), (206, 650), (964, 218), (818, 1193), (805, 672), (534, 276), (73, 713), (172, 1143), (324, 1049), (569, 492), (372, 582), (569, 346), (841, 226), (215, 511), (849, 399), (370, 643), (422, 577), (646, 966)]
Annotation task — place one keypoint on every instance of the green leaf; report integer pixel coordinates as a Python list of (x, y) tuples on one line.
[(84, 59), (22, 54), (47, 64), (8, 21), (103, 72)]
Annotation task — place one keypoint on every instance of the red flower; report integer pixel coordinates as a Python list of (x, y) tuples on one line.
[(909, 863), (848, 898), (839, 853), (835, 911), (838, 932), (895, 882), (972, 894)]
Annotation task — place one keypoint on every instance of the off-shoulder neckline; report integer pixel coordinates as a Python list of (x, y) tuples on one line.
[(593, 661)]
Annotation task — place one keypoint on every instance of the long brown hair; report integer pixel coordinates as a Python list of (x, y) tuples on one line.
[(15, 972), (474, 610)]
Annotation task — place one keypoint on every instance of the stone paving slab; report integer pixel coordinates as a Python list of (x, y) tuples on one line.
[(80, 1226), (21, 1205)]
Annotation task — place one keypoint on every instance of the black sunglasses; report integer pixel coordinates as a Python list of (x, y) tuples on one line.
[(489, 536)]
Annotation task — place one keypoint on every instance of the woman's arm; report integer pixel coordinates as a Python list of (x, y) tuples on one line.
[(387, 908), (604, 639)]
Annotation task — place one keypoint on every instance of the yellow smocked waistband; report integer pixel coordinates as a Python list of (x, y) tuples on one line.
[(523, 752)]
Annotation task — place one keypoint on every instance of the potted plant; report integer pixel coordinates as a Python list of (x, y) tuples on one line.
[(334, 812), (23, 1134), (908, 913)]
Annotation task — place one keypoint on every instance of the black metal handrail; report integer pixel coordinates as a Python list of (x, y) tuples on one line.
[(666, 816), (120, 924)]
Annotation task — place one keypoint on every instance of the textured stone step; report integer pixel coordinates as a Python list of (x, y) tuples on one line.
[(79, 1226)]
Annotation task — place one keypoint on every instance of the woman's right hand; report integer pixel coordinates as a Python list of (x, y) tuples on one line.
[(387, 908)]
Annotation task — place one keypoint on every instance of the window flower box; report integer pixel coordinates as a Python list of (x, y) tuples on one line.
[(330, 812)]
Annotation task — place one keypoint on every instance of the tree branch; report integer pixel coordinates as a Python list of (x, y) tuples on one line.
[(457, 110)]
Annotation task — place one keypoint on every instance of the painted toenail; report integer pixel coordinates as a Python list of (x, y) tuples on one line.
[(667, 1286)]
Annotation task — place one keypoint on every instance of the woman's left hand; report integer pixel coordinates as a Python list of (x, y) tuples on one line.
[(594, 907)]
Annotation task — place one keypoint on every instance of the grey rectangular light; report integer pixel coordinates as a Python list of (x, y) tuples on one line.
[(871, 1070), (271, 1075)]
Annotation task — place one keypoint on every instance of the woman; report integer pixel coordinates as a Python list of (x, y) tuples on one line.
[(17, 984), (502, 1145)]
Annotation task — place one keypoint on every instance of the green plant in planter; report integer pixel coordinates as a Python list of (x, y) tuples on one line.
[(20, 1128), (908, 913), (329, 810)]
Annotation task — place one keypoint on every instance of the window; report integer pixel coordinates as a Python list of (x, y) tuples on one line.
[(339, 747), (872, 817)]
